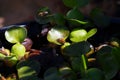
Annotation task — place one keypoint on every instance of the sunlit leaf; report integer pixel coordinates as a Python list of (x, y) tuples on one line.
[(95, 74), (78, 35), (58, 35), (18, 50), (91, 33), (16, 34), (107, 61), (77, 49)]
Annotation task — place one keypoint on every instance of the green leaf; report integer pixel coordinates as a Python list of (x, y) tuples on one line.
[(116, 54), (99, 18), (59, 74), (52, 74), (79, 65), (58, 35), (15, 34), (107, 61), (78, 35), (67, 73), (18, 50), (43, 15), (11, 60), (59, 19), (2, 56), (75, 14), (70, 3), (28, 70), (77, 49), (78, 21), (91, 33), (94, 74)]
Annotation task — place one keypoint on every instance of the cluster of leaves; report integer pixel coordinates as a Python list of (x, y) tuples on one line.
[(71, 32), (26, 69)]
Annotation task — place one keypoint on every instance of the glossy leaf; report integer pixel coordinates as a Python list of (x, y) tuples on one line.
[(58, 35), (78, 35), (91, 33), (94, 74), (28, 70), (75, 14), (77, 49), (18, 50), (16, 34), (107, 61)]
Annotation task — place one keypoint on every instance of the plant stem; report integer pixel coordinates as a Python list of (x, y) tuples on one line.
[(84, 62)]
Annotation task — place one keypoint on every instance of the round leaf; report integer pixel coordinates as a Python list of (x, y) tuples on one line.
[(52, 74), (67, 73), (106, 59), (18, 50), (58, 35), (15, 34), (75, 14), (77, 49), (116, 54), (59, 19), (95, 74), (79, 64), (78, 35)]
